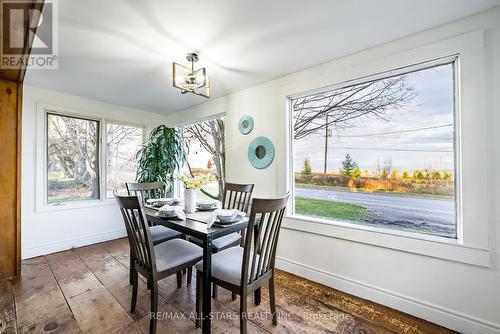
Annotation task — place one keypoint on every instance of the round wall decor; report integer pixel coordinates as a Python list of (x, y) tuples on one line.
[(261, 152), (245, 124)]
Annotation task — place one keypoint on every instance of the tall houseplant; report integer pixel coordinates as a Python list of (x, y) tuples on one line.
[(161, 155)]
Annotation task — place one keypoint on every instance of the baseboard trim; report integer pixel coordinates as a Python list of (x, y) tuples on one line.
[(59, 246), (439, 315)]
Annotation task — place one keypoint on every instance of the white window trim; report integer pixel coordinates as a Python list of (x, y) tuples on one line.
[(473, 214), (41, 204)]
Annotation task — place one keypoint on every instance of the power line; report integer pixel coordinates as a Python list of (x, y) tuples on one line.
[(380, 149), (400, 131), (415, 138)]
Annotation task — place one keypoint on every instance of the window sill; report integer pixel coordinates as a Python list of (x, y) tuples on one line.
[(437, 247), (74, 205)]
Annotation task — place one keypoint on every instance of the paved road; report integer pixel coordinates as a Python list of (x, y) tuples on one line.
[(434, 215)]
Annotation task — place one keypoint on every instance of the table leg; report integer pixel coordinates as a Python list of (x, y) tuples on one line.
[(257, 295), (207, 275)]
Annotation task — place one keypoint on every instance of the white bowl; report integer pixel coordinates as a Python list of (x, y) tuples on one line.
[(166, 214), (227, 218), (207, 204)]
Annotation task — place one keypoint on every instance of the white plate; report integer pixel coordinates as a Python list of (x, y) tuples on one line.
[(219, 224)]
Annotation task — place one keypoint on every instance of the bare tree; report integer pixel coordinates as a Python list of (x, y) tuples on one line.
[(210, 135), (73, 146), (384, 169), (340, 108)]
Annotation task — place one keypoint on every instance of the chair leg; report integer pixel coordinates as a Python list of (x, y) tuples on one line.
[(214, 290), (131, 269), (179, 279), (256, 296), (154, 307), (190, 275), (272, 301), (135, 284), (198, 299), (243, 313)]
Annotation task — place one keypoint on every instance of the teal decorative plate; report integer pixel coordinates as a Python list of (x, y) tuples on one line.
[(245, 124), (261, 152)]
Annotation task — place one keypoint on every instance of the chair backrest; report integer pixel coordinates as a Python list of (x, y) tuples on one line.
[(146, 190), (139, 236), (237, 196), (262, 237)]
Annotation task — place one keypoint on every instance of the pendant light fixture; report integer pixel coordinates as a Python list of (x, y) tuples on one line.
[(189, 80)]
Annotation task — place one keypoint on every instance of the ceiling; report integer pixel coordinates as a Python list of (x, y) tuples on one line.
[(120, 51)]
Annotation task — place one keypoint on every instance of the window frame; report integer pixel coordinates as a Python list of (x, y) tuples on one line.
[(178, 186), (98, 156), (41, 159), (448, 60), (475, 188)]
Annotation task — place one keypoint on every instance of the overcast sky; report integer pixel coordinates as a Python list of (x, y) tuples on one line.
[(429, 144)]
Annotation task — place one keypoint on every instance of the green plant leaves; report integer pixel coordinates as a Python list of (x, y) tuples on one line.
[(163, 153)]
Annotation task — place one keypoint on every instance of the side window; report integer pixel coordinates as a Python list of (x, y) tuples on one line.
[(72, 159), (122, 144)]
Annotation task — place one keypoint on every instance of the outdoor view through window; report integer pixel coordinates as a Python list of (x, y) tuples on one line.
[(379, 153), (205, 143), (73, 162), (122, 144), (72, 158)]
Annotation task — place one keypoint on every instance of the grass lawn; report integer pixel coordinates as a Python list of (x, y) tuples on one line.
[(330, 209)]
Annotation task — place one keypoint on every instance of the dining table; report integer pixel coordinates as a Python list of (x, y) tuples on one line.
[(195, 225)]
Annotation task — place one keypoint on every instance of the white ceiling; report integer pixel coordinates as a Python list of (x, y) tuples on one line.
[(120, 51)]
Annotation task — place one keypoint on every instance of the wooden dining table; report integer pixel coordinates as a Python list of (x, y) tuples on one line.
[(195, 226)]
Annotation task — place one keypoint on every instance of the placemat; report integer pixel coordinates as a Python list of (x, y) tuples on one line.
[(201, 216)]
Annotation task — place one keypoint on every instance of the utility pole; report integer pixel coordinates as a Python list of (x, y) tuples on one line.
[(326, 147)]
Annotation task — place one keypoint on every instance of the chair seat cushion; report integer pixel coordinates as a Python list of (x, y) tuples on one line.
[(227, 240), (226, 265), (176, 252), (218, 244), (160, 234)]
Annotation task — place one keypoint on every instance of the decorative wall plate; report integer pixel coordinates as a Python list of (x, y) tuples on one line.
[(245, 124), (261, 152)]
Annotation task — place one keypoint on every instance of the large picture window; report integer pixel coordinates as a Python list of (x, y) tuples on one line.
[(380, 152)]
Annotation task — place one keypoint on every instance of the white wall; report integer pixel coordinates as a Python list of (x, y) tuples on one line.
[(457, 295), (56, 230)]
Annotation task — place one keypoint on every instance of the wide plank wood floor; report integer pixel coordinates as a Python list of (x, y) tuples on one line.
[(86, 290)]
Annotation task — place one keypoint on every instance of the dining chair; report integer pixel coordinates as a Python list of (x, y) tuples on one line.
[(235, 196), (153, 262), (243, 270), (159, 233), (146, 190)]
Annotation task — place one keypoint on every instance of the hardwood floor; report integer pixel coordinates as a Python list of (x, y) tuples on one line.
[(86, 290)]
